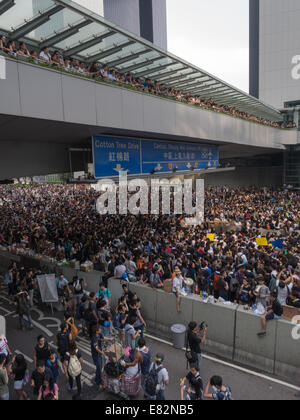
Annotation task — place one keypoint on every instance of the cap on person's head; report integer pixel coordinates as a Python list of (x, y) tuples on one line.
[(261, 278), (274, 295), (160, 357)]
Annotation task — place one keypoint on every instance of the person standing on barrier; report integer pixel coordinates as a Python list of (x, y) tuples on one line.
[(194, 341)]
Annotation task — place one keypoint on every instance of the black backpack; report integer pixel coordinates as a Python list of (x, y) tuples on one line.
[(88, 314), (63, 343), (152, 381)]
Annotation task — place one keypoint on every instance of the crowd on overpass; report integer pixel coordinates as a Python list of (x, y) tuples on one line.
[(95, 71)]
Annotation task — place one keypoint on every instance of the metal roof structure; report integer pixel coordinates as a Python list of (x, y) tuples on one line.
[(76, 31)]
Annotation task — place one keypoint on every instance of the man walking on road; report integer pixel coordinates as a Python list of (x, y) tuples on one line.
[(97, 354), (22, 301)]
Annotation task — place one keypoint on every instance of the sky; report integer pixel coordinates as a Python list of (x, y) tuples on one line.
[(212, 34)]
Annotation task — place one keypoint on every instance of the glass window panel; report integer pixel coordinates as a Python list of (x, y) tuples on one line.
[(106, 44), (145, 57), (57, 23), (84, 34), (23, 10), (126, 52)]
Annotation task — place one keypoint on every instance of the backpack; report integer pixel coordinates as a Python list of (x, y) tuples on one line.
[(63, 343), (225, 395), (152, 381), (216, 282), (88, 314), (50, 393), (117, 321), (78, 286), (74, 367)]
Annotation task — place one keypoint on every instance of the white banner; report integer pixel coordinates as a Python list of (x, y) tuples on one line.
[(48, 288)]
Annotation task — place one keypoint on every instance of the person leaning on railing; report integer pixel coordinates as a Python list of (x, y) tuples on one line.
[(152, 87)]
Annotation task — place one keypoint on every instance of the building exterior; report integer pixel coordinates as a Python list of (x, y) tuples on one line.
[(275, 52), (95, 6)]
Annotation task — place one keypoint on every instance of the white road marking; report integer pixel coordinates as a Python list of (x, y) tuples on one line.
[(244, 370), (10, 313), (25, 357), (7, 311), (42, 328)]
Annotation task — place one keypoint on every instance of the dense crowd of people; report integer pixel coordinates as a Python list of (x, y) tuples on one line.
[(95, 71), (103, 325), (61, 222)]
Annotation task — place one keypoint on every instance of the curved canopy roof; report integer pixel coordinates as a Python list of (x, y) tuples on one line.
[(78, 32)]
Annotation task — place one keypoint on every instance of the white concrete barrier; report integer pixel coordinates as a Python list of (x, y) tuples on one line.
[(2, 326)]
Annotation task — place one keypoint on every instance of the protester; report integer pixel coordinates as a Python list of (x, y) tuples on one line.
[(157, 380), (97, 354), (4, 390), (195, 391), (194, 341), (52, 365), (48, 389), (38, 376), (4, 349), (220, 392), (73, 367), (22, 301), (41, 351), (274, 312), (19, 371)]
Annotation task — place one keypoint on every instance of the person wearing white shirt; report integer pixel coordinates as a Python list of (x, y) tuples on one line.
[(45, 55), (177, 287), (4, 348)]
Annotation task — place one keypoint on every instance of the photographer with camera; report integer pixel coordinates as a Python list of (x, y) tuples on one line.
[(194, 341)]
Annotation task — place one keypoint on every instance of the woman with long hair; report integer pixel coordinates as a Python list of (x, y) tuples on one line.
[(19, 370), (49, 388)]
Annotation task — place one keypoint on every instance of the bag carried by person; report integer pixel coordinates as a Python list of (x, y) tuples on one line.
[(188, 351), (88, 314), (74, 367), (74, 330), (117, 321), (152, 381)]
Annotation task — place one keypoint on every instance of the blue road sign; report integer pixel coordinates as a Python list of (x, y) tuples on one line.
[(113, 154), (165, 156)]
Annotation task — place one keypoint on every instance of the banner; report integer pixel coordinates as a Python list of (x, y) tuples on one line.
[(48, 288)]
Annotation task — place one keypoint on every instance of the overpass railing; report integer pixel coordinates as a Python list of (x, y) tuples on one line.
[(102, 80)]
